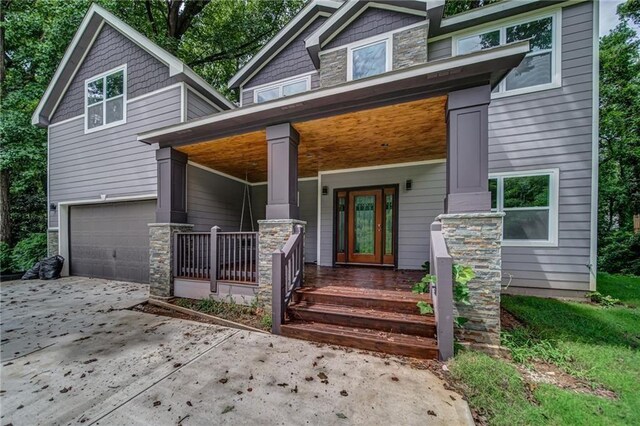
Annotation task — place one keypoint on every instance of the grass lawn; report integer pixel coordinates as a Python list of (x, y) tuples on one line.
[(599, 346)]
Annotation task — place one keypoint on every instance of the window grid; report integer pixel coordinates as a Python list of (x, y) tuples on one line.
[(103, 77), (280, 87)]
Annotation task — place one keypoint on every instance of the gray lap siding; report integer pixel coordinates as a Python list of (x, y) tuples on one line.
[(111, 161)]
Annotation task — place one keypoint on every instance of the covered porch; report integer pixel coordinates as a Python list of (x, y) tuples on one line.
[(350, 175)]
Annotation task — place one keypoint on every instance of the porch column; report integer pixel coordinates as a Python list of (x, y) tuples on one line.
[(171, 217), (282, 176), (468, 151)]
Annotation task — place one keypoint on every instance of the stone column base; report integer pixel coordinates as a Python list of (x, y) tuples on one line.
[(474, 239), (272, 235), (161, 257), (52, 242)]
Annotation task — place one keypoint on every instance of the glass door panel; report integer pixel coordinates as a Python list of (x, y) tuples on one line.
[(365, 224)]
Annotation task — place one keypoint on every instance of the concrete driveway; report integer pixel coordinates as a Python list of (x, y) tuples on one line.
[(73, 354)]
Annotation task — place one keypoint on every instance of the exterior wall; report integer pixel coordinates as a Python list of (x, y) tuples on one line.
[(197, 107), (417, 208), (552, 129), (439, 49), (308, 196), (111, 49), (410, 47), (52, 242), (291, 61), (111, 161), (372, 22), (333, 67), (213, 200)]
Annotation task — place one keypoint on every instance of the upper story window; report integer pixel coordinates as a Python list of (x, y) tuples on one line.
[(529, 201), (105, 99), (369, 59), (284, 88), (539, 70)]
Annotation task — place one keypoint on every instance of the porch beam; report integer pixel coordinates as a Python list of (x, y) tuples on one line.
[(468, 150), (172, 184), (282, 173)]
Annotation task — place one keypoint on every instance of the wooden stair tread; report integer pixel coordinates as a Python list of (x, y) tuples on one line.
[(366, 293), (364, 313), (363, 338)]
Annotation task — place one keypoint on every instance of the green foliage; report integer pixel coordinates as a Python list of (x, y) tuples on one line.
[(625, 288), (605, 301), (266, 322), (619, 170), (29, 251), (453, 7), (461, 276), (424, 307), (621, 253), (526, 347), (5, 258), (424, 285)]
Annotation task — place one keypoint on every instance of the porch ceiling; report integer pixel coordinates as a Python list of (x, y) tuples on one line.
[(400, 133)]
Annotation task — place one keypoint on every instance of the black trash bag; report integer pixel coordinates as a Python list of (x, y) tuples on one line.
[(33, 273), (51, 267)]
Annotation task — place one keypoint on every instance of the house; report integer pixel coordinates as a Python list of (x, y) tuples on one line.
[(370, 137)]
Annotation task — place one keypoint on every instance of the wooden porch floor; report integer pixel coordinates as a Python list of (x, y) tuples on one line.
[(360, 277)]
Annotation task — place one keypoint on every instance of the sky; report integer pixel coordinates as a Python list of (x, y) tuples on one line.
[(608, 17)]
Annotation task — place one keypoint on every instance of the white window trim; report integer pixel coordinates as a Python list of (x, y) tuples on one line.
[(387, 38), (279, 85), (554, 191), (122, 68), (556, 50)]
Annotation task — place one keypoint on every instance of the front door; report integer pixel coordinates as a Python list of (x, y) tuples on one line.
[(366, 226)]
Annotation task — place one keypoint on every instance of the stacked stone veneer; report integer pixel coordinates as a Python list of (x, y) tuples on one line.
[(273, 234), (409, 48), (52, 242), (474, 239), (161, 257)]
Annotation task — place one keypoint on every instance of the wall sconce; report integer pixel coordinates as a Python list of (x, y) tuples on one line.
[(325, 190), (53, 207), (408, 185)]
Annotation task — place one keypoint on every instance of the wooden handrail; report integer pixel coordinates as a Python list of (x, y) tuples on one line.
[(441, 265), (287, 275)]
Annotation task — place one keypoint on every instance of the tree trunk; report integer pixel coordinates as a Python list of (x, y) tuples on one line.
[(636, 223), (5, 220)]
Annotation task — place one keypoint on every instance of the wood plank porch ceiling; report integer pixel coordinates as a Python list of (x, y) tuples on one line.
[(400, 133)]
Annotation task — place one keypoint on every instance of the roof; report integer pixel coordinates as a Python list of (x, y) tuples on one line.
[(434, 78), (81, 43), (350, 11), (285, 36)]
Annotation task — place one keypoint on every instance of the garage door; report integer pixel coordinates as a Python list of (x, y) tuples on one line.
[(111, 240)]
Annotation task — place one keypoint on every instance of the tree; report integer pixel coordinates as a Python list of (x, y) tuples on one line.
[(216, 38), (453, 7)]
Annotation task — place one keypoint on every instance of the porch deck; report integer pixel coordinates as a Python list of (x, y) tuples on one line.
[(360, 277)]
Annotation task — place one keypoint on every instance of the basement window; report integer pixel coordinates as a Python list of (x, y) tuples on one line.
[(105, 100), (530, 203)]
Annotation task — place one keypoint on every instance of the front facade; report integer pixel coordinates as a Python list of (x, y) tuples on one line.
[(362, 122)]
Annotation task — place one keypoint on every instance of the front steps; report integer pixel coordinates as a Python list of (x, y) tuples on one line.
[(375, 320)]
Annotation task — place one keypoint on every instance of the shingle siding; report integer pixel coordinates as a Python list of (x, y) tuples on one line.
[(371, 22), (291, 61), (552, 129), (110, 50), (111, 161)]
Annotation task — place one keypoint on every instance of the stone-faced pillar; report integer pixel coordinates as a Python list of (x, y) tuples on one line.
[(282, 176), (52, 242), (171, 215), (468, 151), (172, 185)]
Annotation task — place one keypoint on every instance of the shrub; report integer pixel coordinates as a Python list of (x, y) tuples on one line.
[(606, 301), (5, 258), (619, 253), (28, 251)]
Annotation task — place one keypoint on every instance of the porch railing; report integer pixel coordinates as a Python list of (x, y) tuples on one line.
[(441, 265), (287, 275), (216, 256)]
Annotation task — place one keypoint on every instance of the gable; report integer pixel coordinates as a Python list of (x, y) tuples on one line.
[(291, 61), (371, 22), (111, 49)]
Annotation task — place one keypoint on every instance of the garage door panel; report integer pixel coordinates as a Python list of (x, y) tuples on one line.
[(111, 240)]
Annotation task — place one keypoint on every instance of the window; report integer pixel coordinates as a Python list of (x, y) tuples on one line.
[(369, 60), (105, 100), (284, 88), (529, 202), (537, 71)]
